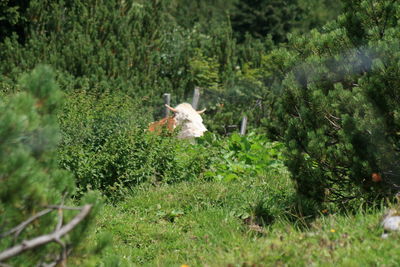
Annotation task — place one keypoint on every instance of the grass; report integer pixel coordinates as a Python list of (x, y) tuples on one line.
[(206, 223)]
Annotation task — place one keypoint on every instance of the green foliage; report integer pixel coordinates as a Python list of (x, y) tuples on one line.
[(336, 105), (129, 46), (317, 13), (30, 178), (12, 19), (147, 48), (95, 42), (205, 71), (242, 157), (262, 18), (201, 14), (106, 146)]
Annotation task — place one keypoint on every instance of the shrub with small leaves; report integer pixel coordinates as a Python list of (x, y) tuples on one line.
[(107, 147)]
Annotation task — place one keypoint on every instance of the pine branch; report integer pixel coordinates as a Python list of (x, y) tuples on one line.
[(44, 239)]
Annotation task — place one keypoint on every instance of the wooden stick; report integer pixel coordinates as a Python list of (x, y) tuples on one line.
[(17, 229), (243, 126), (167, 101), (60, 216), (44, 239), (57, 207), (196, 97)]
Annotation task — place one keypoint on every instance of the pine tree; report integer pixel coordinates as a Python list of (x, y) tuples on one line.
[(13, 19), (338, 104), (265, 17), (136, 47), (30, 179)]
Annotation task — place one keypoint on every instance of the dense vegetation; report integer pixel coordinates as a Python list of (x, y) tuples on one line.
[(30, 177), (318, 80), (337, 110)]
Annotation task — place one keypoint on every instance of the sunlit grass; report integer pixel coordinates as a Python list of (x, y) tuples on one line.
[(200, 224)]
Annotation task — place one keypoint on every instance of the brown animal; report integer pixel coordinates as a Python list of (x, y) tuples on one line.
[(168, 123)]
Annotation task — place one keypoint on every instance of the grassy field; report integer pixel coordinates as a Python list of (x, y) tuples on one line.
[(240, 223)]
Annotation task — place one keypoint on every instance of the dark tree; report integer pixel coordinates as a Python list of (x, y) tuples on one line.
[(265, 17)]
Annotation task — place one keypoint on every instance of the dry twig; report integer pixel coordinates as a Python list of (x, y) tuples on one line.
[(18, 229), (44, 239)]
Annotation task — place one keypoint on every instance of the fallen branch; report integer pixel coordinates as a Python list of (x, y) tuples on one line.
[(24, 224), (56, 207), (19, 228), (44, 239)]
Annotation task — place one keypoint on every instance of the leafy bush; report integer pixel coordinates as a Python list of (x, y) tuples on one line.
[(241, 157), (106, 146)]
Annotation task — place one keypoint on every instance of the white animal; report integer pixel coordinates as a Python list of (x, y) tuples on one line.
[(186, 118)]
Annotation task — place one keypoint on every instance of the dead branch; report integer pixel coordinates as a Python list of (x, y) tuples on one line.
[(18, 229), (44, 239), (60, 215), (63, 253), (56, 207), (337, 127)]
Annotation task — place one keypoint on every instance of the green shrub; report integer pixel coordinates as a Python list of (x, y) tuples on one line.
[(136, 47), (107, 147), (242, 157), (337, 104), (141, 48)]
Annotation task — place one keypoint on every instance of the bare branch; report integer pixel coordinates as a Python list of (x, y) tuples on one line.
[(44, 239), (60, 215), (337, 127), (63, 254), (56, 207), (18, 229)]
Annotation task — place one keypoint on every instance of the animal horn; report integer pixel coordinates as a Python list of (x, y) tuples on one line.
[(170, 108), (201, 111)]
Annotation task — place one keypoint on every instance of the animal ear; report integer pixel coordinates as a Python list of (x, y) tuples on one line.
[(201, 111), (170, 108)]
